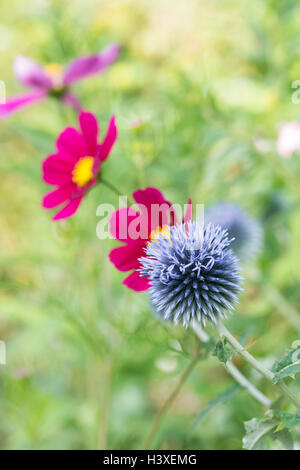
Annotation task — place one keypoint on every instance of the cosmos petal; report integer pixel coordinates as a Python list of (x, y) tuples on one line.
[(57, 178), (109, 140), (119, 223), (72, 142), (85, 66), (58, 162), (155, 207), (20, 101), (30, 73), (89, 128), (69, 209), (126, 257), (72, 100), (189, 212), (57, 197), (135, 282)]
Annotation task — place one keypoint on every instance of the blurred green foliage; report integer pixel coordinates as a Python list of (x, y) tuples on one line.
[(88, 364)]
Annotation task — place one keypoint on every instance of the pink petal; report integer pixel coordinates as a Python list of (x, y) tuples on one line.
[(71, 100), (189, 212), (17, 102), (69, 209), (57, 170), (31, 74), (58, 162), (57, 197), (57, 178), (84, 66), (65, 157), (137, 283), (89, 129), (156, 209), (109, 140), (149, 196), (119, 223), (72, 143), (125, 258)]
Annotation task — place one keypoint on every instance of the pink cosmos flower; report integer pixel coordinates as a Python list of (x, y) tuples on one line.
[(52, 80), (288, 140), (136, 228), (75, 167)]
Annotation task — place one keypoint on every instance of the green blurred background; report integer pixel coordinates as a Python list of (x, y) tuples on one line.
[(88, 365)]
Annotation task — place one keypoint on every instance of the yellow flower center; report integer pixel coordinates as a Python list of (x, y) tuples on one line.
[(54, 69), (83, 171), (155, 234)]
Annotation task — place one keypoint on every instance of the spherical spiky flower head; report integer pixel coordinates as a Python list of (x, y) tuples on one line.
[(246, 231), (193, 274)]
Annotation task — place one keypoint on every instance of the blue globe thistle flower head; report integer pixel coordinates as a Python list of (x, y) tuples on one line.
[(193, 274), (246, 231)]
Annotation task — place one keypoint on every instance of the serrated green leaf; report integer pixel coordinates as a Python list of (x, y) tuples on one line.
[(288, 420), (289, 364), (271, 432), (222, 352), (288, 371), (257, 431), (283, 438)]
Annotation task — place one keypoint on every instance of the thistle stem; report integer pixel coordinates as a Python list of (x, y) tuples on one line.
[(234, 372), (169, 402), (245, 383), (223, 332)]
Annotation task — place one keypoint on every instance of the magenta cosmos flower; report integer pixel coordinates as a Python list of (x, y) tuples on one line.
[(76, 165), (52, 80), (136, 228)]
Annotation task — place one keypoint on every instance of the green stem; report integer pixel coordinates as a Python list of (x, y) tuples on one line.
[(234, 372), (169, 402), (105, 408), (223, 332), (110, 186)]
